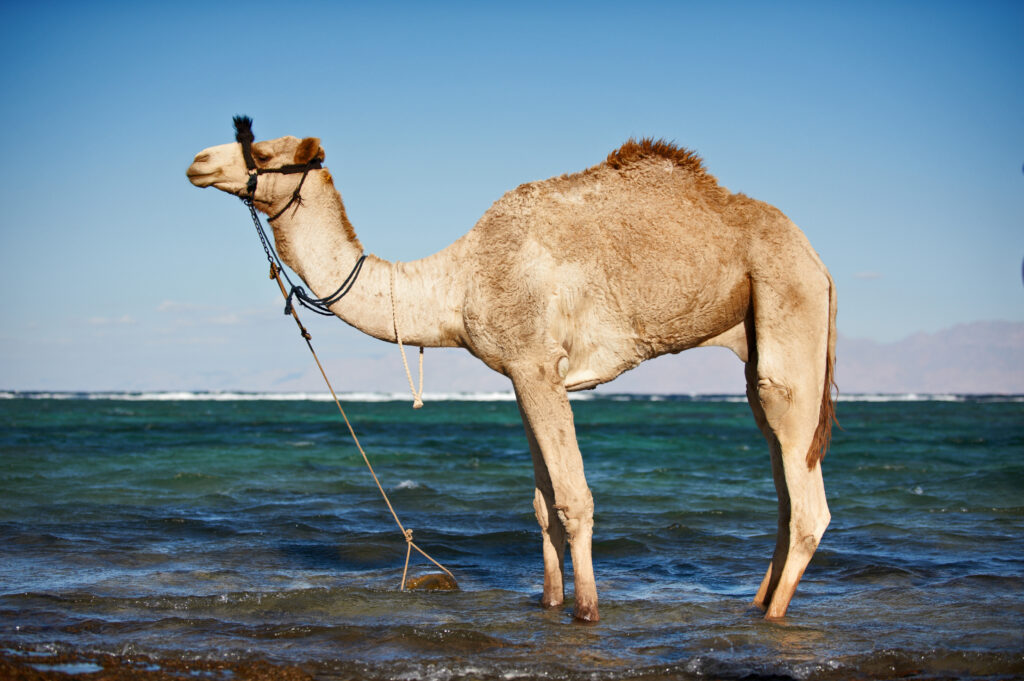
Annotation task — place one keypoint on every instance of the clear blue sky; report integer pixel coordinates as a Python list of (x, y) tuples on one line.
[(891, 132)]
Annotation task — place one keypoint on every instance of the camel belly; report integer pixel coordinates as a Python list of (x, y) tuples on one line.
[(604, 335)]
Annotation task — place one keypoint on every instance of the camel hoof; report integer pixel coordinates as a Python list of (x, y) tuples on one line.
[(586, 614), (549, 603)]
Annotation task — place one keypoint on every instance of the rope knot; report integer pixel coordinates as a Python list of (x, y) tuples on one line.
[(408, 536)]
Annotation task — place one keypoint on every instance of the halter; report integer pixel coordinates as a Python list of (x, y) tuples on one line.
[(245, 137), (321, 306)]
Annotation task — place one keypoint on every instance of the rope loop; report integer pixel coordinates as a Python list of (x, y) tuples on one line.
[(417, 395)]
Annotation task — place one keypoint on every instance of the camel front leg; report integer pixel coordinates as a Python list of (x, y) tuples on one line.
[(551, 528), (547, 417)]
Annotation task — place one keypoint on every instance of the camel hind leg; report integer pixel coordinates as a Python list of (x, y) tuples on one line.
[(787, 369)]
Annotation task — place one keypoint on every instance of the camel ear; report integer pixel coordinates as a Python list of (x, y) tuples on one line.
[(309, 149)]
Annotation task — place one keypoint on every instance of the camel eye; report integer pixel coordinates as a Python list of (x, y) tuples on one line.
[(261, 156)]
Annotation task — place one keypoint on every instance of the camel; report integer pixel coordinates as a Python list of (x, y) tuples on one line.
[(562, 285)]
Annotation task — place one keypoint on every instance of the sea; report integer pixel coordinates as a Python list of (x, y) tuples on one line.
[(232, 527)]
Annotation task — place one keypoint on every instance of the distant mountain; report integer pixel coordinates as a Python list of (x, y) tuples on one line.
[(982, 357)]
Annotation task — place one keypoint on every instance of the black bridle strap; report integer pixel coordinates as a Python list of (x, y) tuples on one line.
[(290, 170)]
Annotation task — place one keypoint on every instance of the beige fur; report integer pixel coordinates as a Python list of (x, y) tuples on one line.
[(564, 284)]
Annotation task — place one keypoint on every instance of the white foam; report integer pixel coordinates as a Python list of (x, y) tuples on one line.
[(496, 396), (901, 397)]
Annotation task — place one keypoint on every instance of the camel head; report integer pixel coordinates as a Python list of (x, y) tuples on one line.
[(275, 161)]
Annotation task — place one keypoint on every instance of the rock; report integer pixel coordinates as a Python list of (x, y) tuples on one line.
[(432, 582)]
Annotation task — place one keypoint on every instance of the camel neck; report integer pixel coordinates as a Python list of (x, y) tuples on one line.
[(317, 240)]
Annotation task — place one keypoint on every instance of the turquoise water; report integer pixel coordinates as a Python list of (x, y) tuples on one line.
[(249, 528)]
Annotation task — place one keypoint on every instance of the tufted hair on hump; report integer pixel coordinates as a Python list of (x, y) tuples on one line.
[(633, 151)]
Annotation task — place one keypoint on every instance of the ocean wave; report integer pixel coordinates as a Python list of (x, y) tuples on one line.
[(903, 397), (213, 395), (494, 396), (242, 396)]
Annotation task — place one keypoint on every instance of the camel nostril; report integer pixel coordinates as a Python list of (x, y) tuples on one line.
[(201, 158)]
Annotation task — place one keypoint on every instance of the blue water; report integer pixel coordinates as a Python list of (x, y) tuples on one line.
[(238, 529)]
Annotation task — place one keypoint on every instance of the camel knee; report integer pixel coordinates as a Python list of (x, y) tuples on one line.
[(577, 515), (775, 398), (807, 544), (821, 523), (806, 534)]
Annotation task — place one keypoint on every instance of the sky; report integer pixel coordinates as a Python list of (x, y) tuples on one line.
[(892, 133)]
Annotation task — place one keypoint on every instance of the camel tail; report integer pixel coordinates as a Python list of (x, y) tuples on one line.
[(827, 415)]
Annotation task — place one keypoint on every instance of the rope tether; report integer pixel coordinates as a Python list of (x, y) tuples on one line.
[(244, 136), (275, 273), (417, 395)]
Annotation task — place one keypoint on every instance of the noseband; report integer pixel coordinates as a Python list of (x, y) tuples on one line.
[(245, 137), (321, 306)]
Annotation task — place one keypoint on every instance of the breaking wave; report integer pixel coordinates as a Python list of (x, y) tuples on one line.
[(494, 396)]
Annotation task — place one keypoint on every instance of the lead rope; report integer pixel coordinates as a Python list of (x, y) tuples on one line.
[(275, 273), (417, 395)]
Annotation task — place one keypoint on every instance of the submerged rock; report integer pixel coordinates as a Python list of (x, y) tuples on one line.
[(432, 582)]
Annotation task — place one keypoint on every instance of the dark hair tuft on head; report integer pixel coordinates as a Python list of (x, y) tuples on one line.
[(243, 129)]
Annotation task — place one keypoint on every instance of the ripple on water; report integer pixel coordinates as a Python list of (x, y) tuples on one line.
[(210, 534)]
